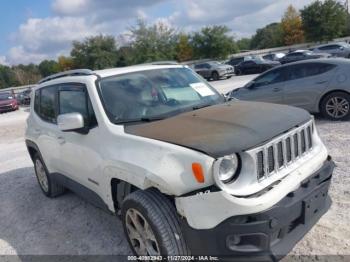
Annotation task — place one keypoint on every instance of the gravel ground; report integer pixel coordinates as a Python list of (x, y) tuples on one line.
[(31, 224)]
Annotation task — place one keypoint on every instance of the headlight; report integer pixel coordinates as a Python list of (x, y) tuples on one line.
[(228, 168)]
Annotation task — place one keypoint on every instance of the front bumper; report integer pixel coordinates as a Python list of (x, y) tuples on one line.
[(271, 234), (7, 108), (226, 73)]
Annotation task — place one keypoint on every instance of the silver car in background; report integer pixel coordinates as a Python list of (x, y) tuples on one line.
[(341, 49), (214, 70), (318, 85)]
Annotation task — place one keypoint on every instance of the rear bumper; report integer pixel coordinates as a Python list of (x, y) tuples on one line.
[(267, 235)]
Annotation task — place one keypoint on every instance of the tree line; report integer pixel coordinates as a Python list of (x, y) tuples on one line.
[(320, 21)]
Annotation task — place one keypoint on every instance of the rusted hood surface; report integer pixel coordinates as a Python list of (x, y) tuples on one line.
[(224, 129)]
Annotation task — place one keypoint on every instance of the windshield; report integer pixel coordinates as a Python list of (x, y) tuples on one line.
[(215, 63), (5, 96), (155, 94)]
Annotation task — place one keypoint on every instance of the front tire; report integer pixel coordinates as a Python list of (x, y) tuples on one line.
[(49, 187), (152, 225), (336, 106)]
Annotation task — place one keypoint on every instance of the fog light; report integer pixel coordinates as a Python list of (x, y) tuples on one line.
[(232, 240)]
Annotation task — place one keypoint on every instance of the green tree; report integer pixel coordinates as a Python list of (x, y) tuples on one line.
[(213, 42), (96, 52), (125, 56), (153, 43), (184, 49), (244, 44), (26, 74), (48, 67), (324, 20), (65, 63), (268, 37), (7, 77), (292, 27)]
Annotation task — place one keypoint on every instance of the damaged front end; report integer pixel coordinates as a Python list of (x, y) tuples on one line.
[(280, 193)]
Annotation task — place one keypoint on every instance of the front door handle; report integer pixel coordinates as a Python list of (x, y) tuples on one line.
[(61, 140), (277, 89)]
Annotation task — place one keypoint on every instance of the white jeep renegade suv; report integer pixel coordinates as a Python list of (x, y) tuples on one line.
[(190, 173)]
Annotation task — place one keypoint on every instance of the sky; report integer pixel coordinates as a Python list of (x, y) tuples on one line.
[(32, 31)]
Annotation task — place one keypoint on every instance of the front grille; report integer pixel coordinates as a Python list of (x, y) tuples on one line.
[(283, 151), (6, 107)]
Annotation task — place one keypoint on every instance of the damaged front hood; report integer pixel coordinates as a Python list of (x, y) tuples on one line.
[(224, 129)]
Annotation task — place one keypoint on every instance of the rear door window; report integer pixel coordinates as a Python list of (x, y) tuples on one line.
[(308, 70)]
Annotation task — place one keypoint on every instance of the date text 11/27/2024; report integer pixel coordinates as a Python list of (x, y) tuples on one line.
[(173, 258)]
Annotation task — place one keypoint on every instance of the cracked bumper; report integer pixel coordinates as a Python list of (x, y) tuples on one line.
[(272, 233)]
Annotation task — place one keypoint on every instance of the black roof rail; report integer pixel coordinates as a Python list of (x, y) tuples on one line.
[(75, 72)]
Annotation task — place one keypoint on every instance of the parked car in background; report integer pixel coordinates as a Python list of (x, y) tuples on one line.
[(235, 61), (274, 56), (214, 70), (7, 102), (255, 66), (318, 85), (302, 55), (23, 97), (341, 49)]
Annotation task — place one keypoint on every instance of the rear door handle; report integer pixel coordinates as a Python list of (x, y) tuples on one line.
[(61, 140), (276, 89), (321, 82)]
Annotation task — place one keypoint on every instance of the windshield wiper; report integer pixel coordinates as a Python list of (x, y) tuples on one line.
[(142, 119)]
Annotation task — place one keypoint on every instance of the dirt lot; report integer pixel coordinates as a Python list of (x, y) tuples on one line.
[(31, 224)]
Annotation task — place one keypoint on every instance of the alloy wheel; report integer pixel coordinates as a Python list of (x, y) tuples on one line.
[(337, 107), (41, 175), (141, 234)]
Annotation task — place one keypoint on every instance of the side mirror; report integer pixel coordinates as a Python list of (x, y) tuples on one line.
[(70, 122)]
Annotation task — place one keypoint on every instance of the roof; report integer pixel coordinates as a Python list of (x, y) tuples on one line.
[(111, 71), (130, 69), (337, 43), (336, 60)]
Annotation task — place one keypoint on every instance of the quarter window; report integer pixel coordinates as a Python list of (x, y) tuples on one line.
[(37, 101), (307, 70), (48, 104)]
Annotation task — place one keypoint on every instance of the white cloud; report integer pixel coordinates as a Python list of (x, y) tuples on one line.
[(40, 38), (19, 55), (48, 37), (70, 7), (3, 60)]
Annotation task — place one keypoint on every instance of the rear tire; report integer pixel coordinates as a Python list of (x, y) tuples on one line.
[(336, 106), (152, 224), (215, 76), (49, 187)]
